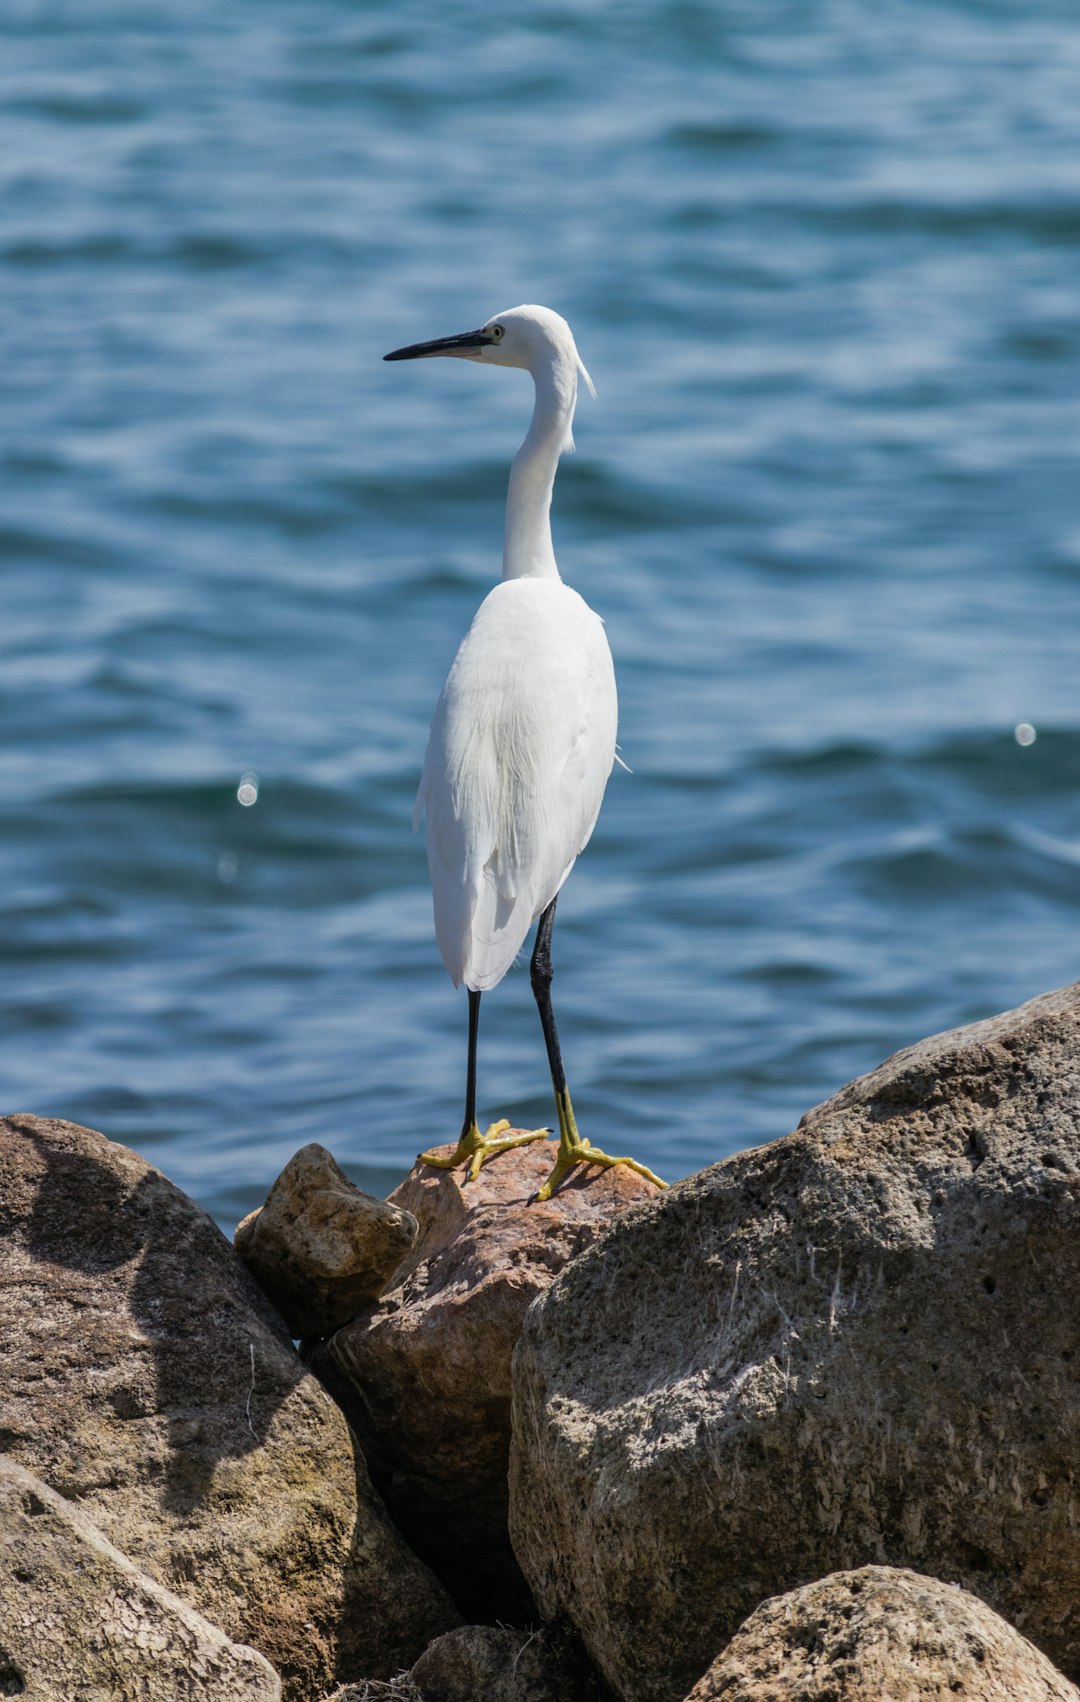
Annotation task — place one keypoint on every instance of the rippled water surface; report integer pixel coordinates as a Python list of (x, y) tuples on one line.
[(823, 263)]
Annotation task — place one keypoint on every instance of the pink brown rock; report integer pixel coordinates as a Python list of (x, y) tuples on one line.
[(320, 1248), (432, 1359), (880, 1634)]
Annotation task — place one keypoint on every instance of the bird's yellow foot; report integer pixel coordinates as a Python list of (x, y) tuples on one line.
[(474, 1148), (575, 1149)]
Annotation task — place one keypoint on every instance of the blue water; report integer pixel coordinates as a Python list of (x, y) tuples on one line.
[(823, 261)]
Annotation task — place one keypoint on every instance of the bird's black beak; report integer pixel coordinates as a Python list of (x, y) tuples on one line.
[(465, 343)]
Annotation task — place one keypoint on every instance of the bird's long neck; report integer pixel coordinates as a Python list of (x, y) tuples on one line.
[(527, 548)]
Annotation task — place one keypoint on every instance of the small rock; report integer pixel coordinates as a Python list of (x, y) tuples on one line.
[(432, 1360), (499, 1665), (320, 1248), (400, 1689), (856, 1345), (879, 1635), (77, 1618), (147, 1378)]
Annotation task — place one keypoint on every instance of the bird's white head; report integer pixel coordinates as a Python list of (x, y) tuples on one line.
[(534, 338), (542, 343)]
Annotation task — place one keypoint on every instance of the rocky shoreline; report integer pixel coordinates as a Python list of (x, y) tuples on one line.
[(806, 1426)]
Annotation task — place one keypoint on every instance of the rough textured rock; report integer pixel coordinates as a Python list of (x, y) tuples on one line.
[(498, 1665), (879, 1635), (147, 1378), (77, 1619), (320, 1248), (432, 1359), (856, 1345)]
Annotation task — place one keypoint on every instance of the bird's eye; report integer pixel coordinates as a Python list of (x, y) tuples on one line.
[(497, 333)]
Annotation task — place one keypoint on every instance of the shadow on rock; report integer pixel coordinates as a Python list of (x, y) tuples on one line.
[(205, 1386)]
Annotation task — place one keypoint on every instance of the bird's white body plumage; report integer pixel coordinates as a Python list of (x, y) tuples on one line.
[(523, 738), (521, 746)]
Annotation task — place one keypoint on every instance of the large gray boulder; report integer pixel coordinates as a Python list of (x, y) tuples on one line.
[(148, 1379), (879, 1635), (77, 1619), (856, 1345)]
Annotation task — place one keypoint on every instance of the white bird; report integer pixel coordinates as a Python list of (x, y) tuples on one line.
[(523, 738)]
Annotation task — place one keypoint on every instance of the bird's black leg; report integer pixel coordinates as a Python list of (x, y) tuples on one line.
[(541, 974), (473, 1147), (470, 1072), (573, 1147)]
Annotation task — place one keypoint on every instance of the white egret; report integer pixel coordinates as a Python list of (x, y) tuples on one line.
[(523, 738)]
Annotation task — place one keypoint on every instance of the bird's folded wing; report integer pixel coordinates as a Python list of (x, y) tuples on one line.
[(519, 755)]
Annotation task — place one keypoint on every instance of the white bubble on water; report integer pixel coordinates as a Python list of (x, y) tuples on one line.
[(1024, 733), (227, 867), (248, 789)]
